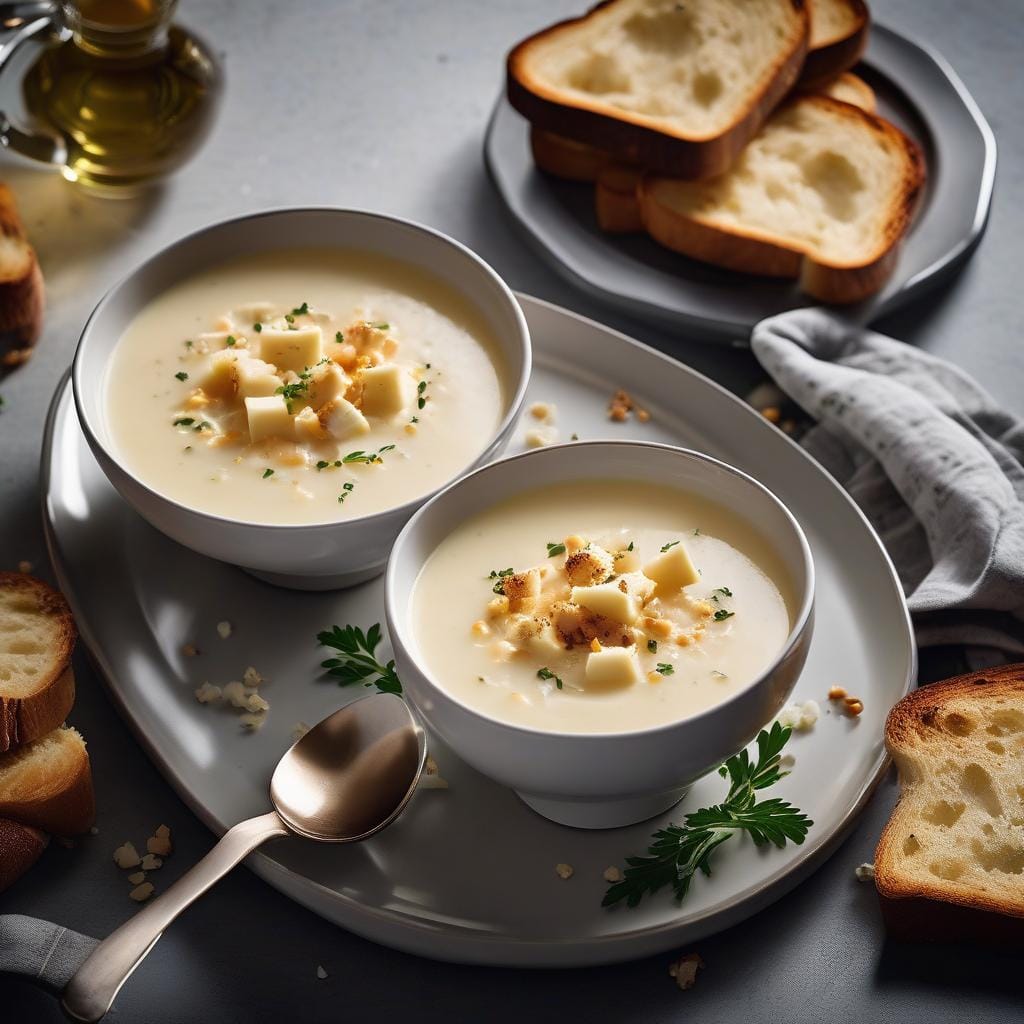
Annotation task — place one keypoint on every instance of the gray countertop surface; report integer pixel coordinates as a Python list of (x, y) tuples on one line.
[(383, 105)]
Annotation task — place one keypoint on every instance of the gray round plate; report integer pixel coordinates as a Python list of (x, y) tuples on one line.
[(916, 89)]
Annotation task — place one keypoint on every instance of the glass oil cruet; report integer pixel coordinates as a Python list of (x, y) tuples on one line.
[(120, 97)]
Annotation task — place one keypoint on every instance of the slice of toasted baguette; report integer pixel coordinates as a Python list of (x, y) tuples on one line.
[(615, 188), (48, 784), (37, 634), (20, 847), (824, 194), (839, 34), (21, 287), (849, 88), (677, 87), (950, 862)]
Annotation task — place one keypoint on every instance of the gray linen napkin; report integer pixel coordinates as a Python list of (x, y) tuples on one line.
[(44, 952), (931, 458)]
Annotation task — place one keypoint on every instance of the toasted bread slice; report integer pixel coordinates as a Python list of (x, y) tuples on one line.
[(21, 287), (680, 88), (825, 194), (48, 784), (950, 863), (615, 188), (37, 634), (20, 847), (849, 88), (615, 201), (839, 33)]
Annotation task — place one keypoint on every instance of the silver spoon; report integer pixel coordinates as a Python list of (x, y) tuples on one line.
[(346, 779)]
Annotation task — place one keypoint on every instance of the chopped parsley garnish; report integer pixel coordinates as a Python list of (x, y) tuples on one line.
[(721, 615), (230, 341), (257, 327), (574, 437), (322, 465), (301, 310), (366, 457), (188, 344), (346, 489), (678, 852), (652, 646), (185, 421), (499, 575), (555, 549), (670, 544), (415, 419), (356, 661), (546, 673), (181, 375), (421, 401), (696, 532), (723, 590), (381, 325), (664, 669), (289, 318), (295, 390), (267, 472), (339, 337), (201, 425)]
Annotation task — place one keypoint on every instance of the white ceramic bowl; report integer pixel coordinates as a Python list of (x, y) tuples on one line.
[(322, 555), (600, 780)]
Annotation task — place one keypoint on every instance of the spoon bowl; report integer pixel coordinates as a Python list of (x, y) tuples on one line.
[(349, 777), (371, 752)]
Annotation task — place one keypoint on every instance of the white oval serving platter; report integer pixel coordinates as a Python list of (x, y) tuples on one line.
[(468, 873), (916, 89)]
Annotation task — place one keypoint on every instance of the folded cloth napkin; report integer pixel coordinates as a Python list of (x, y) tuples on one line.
[(44, 952), (934, 462)]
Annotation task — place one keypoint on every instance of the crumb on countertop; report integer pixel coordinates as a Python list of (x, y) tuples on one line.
[(224, 629), (564, 871), (137, 878), (251, 677), (684, 970), (141, 893), (189, 650), (864, 872), (151, 862), (160, 841), (320, 972), (25, 566), (126, 856), (299, 729), (612, 874)]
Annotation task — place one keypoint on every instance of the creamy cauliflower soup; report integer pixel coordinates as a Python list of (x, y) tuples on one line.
[(303, 386), (601, 606)]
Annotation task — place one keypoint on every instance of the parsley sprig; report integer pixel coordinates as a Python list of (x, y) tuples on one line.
[(356, 661), (680, 851)]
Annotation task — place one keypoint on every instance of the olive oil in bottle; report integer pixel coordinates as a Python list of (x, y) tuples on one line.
[(131, 95)]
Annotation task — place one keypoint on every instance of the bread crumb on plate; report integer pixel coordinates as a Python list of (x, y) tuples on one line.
[(800, 717)]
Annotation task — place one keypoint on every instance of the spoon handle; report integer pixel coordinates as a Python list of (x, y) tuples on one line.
[(92, 989)]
